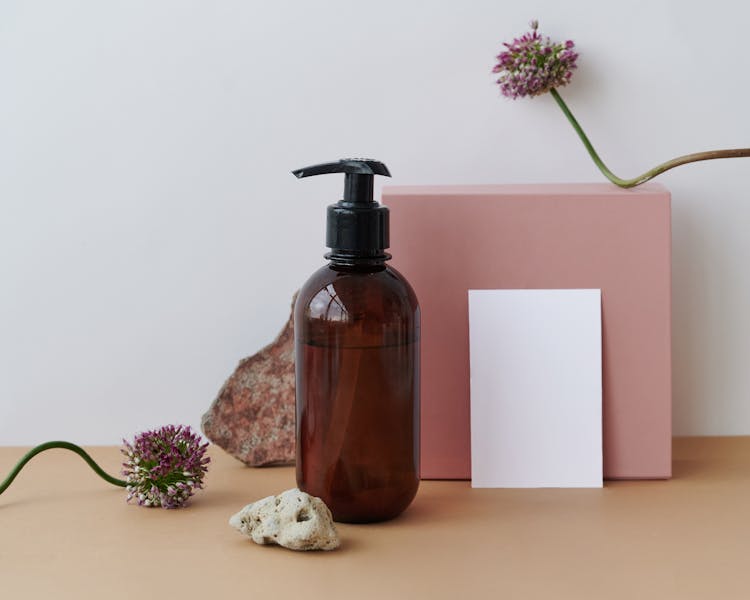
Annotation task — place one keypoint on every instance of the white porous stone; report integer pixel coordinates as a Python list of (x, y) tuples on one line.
[(292, 519)]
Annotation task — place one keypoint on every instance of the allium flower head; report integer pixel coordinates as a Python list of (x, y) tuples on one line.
[(164, 467), (532, 65)]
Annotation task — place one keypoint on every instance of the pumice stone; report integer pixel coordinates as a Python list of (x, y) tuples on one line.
[(293, 519)]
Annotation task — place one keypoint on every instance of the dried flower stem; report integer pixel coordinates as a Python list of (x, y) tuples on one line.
[(659, 169), (66, 446)]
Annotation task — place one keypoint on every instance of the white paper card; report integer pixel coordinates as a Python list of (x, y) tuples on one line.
[(536, 388)]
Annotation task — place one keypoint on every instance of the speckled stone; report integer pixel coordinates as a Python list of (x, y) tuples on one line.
[(252, 418), (293, 519)]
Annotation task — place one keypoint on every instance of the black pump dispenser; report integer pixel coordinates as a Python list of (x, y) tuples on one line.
[(357, 226)]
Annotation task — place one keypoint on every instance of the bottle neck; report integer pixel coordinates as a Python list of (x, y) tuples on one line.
[(343, 258)]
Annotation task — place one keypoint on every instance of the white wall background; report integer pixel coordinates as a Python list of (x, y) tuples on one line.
[(151, 234)]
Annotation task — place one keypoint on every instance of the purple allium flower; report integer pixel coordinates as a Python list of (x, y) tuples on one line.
[(164, 467), (532, 65)]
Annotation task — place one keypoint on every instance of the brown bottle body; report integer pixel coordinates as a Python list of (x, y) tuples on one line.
[(357, 369)]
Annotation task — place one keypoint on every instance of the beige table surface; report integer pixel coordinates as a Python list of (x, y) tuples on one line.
[(65, 533)]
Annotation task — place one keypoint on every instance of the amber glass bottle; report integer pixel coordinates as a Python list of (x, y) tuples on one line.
[(357, 358)]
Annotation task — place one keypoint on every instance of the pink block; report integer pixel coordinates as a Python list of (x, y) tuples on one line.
[(449, 239)]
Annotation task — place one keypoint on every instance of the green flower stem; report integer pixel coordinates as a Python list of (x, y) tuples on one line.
[(659, 169), (66, 446)]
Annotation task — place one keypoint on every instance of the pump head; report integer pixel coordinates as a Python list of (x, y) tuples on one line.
[(357, 226)]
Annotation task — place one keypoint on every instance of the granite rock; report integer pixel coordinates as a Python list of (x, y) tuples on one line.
[(293, 519), (252, 418)]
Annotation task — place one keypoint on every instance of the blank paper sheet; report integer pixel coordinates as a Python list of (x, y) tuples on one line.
[(536, 388)]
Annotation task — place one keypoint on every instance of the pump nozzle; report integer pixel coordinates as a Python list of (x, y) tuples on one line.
[(359, 172), (358, 166), (357, 225)]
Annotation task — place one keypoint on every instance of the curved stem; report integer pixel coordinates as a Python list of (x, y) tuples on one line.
[(66, 446), (657, 170)]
